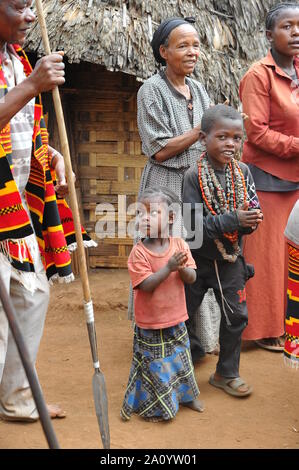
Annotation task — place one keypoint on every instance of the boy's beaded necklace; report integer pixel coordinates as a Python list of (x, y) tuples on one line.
[(217, 202)]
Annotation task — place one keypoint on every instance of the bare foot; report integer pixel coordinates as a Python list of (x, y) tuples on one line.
[(55, 411), (196, 405)]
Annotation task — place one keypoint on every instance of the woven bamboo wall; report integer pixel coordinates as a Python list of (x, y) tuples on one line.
[(102, 119)]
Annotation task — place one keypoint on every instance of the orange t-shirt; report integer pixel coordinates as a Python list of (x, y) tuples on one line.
[(271, 100), (166, 305)]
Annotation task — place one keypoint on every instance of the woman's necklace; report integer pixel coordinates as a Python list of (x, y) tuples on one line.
[(217, 201)]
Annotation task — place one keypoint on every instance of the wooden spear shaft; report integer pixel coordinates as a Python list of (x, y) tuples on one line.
[(98, 381), (68, 163)]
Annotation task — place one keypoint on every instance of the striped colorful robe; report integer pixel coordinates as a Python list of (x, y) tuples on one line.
[(51, 218)]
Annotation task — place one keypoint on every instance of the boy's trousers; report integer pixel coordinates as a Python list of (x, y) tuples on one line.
[(230, 280), (16, 400)]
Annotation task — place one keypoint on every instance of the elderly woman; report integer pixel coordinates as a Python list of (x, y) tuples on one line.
[(170, 107)]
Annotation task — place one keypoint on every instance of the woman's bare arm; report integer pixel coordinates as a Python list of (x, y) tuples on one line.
[(178, 144)]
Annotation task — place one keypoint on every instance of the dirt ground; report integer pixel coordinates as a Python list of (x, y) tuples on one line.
[(269, 419)]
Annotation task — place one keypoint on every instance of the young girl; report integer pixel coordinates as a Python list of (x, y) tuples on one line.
[(162, 374), (225, 188)]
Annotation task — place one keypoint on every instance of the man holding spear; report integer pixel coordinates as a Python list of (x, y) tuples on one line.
[(33, 248)]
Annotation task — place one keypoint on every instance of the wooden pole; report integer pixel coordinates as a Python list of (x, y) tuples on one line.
[(68, 163), (98, 381)]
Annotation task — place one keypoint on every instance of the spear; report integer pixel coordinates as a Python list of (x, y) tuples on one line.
[(98, 380)]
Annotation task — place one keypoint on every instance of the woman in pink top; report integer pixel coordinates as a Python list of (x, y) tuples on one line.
[(162, 373)]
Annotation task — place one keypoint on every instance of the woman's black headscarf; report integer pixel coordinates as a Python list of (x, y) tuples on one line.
[(162, 33)]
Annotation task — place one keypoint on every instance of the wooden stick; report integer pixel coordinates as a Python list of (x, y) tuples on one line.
[(98, 381), (68, 163)]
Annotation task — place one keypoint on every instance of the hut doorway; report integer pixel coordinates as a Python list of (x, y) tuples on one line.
[(100, 110)]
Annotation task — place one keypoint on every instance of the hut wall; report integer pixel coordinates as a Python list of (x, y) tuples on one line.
[(101, 110)]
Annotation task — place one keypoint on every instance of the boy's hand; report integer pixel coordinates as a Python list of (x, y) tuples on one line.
[(177, 261), (249, 218)]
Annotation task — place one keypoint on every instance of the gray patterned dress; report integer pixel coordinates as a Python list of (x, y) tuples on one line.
[(164, 113)]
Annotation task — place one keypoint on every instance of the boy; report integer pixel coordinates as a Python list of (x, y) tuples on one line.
[(230, 209)]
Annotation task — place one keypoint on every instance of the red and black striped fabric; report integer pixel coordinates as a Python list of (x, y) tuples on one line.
[(291, 348), (40, 197)]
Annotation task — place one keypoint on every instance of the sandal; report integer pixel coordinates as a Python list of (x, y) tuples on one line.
[(230, 386), (263, 343)]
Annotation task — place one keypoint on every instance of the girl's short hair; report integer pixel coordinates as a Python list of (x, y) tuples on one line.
[(275, 11), (164, 193), (213, 114)]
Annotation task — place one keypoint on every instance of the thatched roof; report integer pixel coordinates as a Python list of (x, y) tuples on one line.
[(117, 33)]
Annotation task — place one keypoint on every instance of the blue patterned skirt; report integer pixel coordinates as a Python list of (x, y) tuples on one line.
[(161, 375)]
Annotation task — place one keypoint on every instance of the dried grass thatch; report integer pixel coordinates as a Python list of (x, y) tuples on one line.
[(117, 34)]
